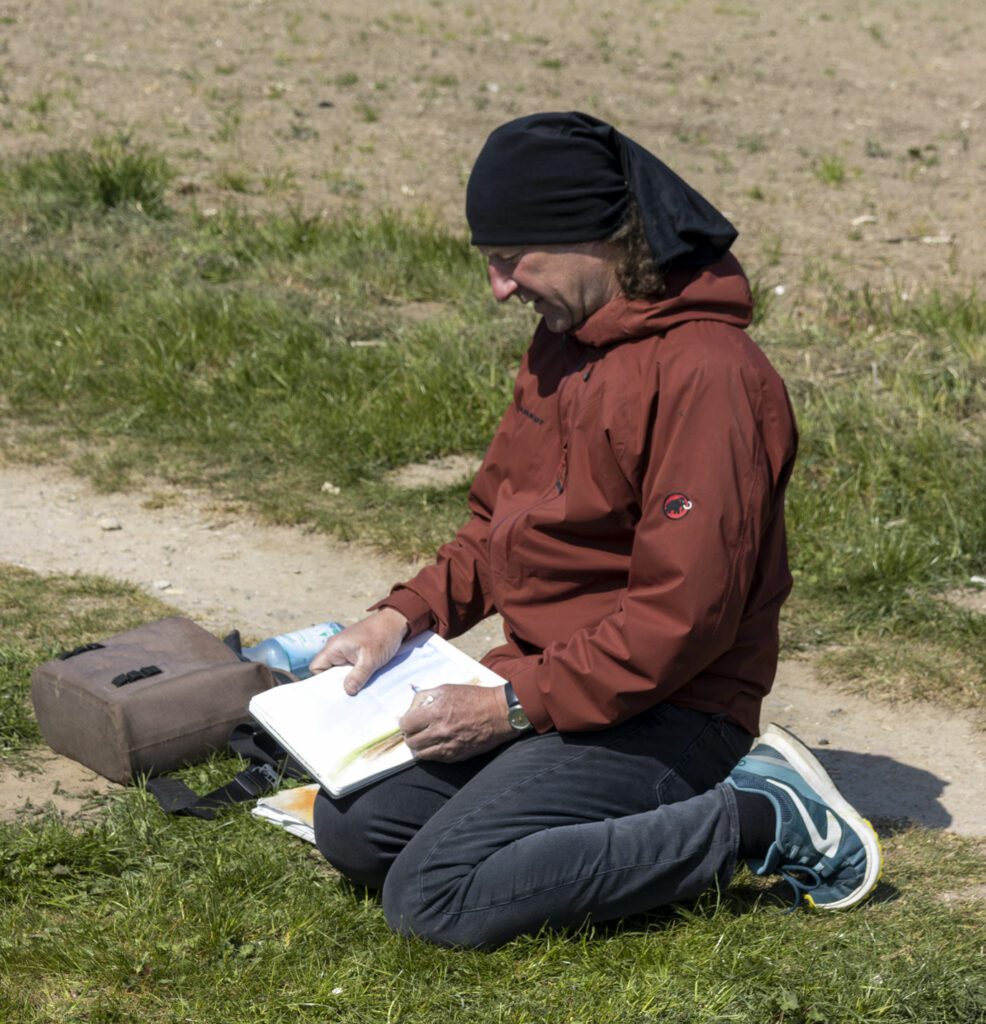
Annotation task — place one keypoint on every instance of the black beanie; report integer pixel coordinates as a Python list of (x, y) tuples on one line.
[(566, 177)]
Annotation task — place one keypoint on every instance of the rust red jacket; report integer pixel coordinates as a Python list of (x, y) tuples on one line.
[(628, 518)]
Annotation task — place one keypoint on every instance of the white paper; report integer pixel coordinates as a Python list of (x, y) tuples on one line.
[(327, 730)]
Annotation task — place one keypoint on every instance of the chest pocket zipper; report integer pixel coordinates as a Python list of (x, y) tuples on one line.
[(562, 478)]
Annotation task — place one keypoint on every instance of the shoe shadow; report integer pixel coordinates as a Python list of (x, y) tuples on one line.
[(893, 795)]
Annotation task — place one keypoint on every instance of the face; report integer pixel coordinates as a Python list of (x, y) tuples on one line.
[(565, 283)]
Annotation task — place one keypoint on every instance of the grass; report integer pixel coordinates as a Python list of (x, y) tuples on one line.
[(272, 352), (133, 915), (57, 188), (830, 169), (886, 507), (264, 356)]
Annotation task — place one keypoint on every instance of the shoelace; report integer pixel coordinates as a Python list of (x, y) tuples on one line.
[(799, 887)]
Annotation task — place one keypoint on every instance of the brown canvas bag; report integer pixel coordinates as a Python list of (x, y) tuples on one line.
[(146, 701)]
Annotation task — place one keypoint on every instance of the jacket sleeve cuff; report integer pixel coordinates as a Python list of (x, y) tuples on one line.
[(413, 607)]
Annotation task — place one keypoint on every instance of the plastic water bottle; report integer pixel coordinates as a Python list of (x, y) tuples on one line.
[(291, 652)]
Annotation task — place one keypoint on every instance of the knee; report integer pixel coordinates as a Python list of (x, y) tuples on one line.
[(403, 906), (408, 913), (346, 836), (414, 908)]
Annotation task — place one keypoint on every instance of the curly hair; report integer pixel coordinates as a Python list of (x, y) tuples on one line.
[(637, 273)]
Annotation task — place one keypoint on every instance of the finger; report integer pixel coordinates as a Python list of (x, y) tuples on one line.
[(333, 653), (355, 682), (421, 742), (417, 717), (365, 666), (426, 749)]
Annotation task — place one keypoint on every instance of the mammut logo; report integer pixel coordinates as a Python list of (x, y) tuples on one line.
[(677, 506), (530, 415)]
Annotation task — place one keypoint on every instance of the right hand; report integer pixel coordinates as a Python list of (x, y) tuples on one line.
[(367, 646)]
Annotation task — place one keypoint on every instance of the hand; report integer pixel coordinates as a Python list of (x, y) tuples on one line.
[(452, 723), (367, 646)]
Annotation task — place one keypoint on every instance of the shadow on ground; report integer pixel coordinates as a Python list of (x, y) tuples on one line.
[(890, 793)]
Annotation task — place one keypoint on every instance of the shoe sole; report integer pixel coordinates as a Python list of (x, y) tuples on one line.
[(788, 745)]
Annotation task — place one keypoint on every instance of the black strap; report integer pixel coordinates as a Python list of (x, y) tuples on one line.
[(65, 655), (270, 764), (177, 798), (255, 744), (233, 642)]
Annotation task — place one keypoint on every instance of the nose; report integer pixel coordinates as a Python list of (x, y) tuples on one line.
[(503, 284)]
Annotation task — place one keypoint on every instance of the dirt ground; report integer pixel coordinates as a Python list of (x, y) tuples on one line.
[(843, 137), (897, 763)]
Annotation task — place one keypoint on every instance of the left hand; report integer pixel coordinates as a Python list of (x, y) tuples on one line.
[(455, 722)]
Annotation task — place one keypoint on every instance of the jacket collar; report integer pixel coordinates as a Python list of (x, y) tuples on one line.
[(719, 291)]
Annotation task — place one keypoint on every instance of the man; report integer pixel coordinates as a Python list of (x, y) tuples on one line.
[(627, 523)]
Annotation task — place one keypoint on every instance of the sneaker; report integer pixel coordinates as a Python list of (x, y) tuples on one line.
[(824, 848)]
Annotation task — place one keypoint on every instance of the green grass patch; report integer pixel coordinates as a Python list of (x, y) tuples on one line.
[(266, 356), (886, 506), (56, 187), (140, 917), (830, 169), (134, 915)]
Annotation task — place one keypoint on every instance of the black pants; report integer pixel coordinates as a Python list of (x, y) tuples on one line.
[(553, 829)]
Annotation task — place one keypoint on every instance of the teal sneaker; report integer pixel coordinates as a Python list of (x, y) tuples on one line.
[(824, 848)]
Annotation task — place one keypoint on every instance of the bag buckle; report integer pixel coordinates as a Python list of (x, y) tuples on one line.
[(138, 673)]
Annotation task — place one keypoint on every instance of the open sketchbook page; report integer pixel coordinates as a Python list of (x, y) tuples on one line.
[(346, 742)]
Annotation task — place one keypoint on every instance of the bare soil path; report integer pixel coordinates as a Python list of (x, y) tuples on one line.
[(898, 763)]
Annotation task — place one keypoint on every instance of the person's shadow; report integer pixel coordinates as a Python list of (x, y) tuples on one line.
[(890, 793)]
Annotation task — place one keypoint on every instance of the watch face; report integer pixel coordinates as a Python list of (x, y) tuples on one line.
[(517, 717)]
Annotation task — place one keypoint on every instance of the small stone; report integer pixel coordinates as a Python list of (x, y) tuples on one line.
[(330, 488), (162, 584), (823, 741), (110, 523)]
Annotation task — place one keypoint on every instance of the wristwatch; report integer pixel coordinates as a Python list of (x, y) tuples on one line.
[(516, 715)]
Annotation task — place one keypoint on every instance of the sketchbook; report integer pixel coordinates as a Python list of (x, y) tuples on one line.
[(291, 809), (347, 742)]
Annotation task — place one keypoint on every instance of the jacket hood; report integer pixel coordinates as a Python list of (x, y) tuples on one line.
[(719, 292)]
